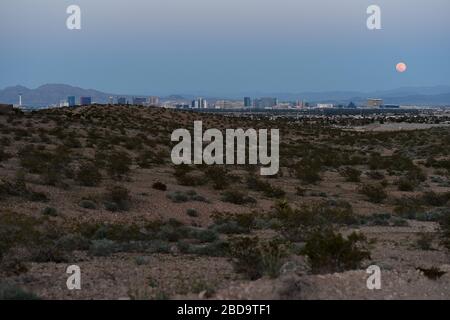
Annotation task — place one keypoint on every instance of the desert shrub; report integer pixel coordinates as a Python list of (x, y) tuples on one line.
[(405, 184), (192, 212), (196, 197), (236, 197), (18, 188), (178, 197), (399, 222), (218, 248), (300, 191), (408, 208), (102, 248), (229, 223), (111, 206), (203, 235), (72, 142), (34, 160), (229, 227), (88, 204), (396, 162), (297, 223), (71, 242), (444, 230), (37, 196), (89, 175), (4, 155), (12, 265), (118, 196), (273, 254), (425, 241), (158, 246), (49, 253), (9, 291), (330, 252), (434, 199), (50, 164), (116, 232), (218, 176), (351, 174), (374, 192), (379, 219), (254, 258), (118, 164), (199, 285), (375, 175), (432, 273), (184, 247), (255, 183), (308, 173), (50, 211), (186, 176), (159, 186), (17, 230)]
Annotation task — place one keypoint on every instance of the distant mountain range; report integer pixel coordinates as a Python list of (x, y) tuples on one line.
[(54, 93)]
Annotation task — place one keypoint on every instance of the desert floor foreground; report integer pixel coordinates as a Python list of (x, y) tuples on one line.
[(95, 187)]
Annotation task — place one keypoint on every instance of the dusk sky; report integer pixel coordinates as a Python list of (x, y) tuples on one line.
[(224, 47)]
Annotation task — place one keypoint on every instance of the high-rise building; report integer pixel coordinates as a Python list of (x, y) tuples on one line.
[(71, 101), (265, 103), (247, 102), (200, 103), (325, 106), (121, 101), (85, 101), (153, 101), (139, 101), (374, 103)]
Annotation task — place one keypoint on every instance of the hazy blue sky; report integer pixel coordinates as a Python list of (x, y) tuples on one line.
[(224, 46)]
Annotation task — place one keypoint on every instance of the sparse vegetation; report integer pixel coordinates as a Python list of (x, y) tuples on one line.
[(254, 258), (331, 252), (61, 168)]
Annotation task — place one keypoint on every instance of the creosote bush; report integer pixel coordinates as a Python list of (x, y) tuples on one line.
[(89, 175), (351, 174), (296, 224), (255, 258), (330, 252), (118, 197), (159, 186), (374, 192), (237, 197)]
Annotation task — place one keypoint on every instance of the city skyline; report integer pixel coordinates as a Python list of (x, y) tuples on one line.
[(210, 49)]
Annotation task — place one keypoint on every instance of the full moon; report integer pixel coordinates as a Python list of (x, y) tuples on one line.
[(401, 67)]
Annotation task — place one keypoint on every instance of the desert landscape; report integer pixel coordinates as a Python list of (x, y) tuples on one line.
[(95, 187)]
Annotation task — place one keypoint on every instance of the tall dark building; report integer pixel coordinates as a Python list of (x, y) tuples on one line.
[(247, 102), (71, 101), (85, 101), (139, 101), (266, 103), (121, 101)]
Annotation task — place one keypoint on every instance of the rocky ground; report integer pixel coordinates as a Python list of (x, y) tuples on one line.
[(95, 187)]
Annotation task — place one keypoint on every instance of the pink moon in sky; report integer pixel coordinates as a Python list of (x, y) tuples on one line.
[(401, 67)]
